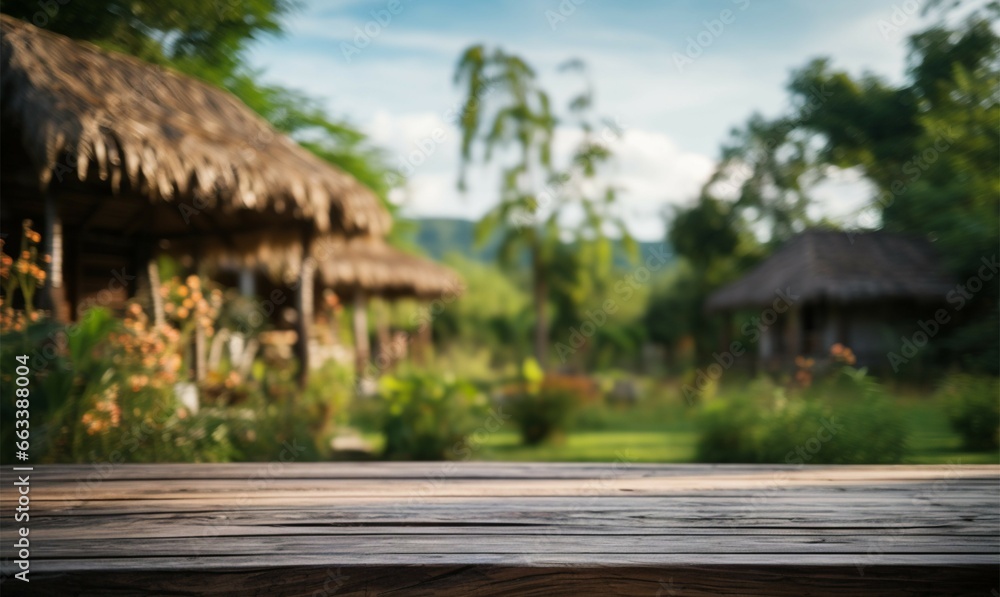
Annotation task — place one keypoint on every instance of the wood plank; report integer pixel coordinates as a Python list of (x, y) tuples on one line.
[(497, 528)]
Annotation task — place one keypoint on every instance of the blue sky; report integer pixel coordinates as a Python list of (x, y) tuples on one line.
[(396, 84)]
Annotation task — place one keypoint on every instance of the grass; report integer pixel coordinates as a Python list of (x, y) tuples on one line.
[(664, 431), (932, 440)]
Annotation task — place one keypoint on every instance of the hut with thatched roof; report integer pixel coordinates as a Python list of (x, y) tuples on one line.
[(825, 287), (356, 269), (121, 159)]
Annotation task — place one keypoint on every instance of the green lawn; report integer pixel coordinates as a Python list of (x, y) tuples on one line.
[(658, 433), (931, 439)]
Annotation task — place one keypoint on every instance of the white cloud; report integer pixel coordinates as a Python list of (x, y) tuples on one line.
[(400, 87)]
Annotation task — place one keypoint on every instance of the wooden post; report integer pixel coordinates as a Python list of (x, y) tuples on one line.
[(362, 349), (306, 313), (382, 332), (247, 283), (54, 295), (200, 352), (793, 333), (153, 271)]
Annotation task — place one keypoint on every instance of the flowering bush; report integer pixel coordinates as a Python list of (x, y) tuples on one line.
[(842, 416), (106, 387), (543, 404), (24, 275), (806, 368), (425, 416)]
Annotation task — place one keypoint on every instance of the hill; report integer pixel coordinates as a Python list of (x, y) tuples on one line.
[(438, 237)]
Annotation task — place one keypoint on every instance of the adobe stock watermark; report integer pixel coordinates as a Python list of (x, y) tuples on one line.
[(814, 100), (421, 320), (752, 329), (712, 30), (585, 499), (364, 35), (563, 12), (624, 289), (798, 456), (525, 217), (891, 29), (424, 148), (47, 10), (958, 297), (883, 541), (913, 169), (461, 451)]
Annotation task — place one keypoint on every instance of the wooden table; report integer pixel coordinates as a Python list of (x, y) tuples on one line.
[(507, 529)]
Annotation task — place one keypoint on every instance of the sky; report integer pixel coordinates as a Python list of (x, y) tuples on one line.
[(676, 76)]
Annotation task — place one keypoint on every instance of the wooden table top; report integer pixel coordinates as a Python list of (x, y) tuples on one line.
[(505, 529)]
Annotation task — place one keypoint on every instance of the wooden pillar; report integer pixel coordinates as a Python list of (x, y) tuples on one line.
[(247, 282), (54, 295), (200, 352), (306, 313), (383, 333), (362, 349), (793, 333), (153, 272), (425, 340)]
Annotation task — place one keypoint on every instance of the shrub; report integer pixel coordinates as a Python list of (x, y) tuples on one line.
[(973, 407), (424, 416), (727, 430), (543, 414), (845, 419), (543, 405)]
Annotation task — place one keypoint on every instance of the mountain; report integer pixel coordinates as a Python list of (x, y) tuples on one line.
[(438, 237)]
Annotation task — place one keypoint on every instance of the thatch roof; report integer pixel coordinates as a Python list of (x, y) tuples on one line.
[(349, 265), (146, 130), (841, 267), (371, 265)]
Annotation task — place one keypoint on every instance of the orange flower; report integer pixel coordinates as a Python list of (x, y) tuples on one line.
[(837, 349)]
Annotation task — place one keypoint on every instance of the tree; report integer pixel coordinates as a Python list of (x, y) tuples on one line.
[(768, 166), (192, 35), (506, 111), (713, 238), (930, 146)]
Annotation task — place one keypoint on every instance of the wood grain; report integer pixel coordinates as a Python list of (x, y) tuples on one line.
[(507, 529)]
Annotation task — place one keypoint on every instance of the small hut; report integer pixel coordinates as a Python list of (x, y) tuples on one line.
[(120, 159), (823, 287), (364, 267), (357, 269)]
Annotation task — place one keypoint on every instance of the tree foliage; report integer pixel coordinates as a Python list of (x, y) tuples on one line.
[(543, 207)]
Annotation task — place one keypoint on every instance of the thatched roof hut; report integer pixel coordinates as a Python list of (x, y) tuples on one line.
[(825, 287), (369, 265), (122, 159), (841, 267), (356, 269), (84, 115), (362, 264)]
